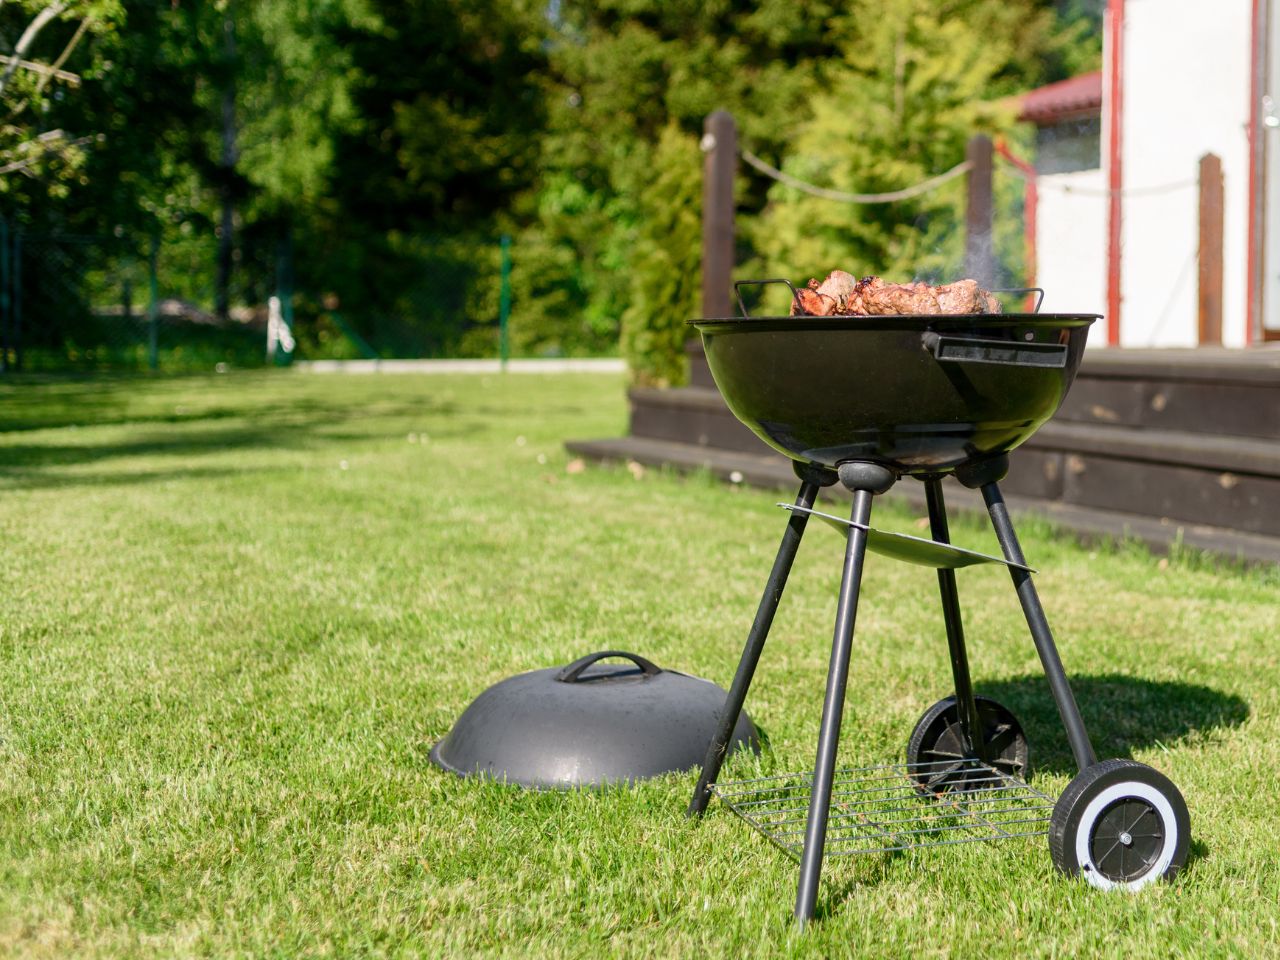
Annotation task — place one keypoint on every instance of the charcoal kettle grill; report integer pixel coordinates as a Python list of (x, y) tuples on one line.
[(866, 402)]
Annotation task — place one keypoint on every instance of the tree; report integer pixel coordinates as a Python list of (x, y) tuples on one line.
[(911, 91), (33, 75), (389, 143), (623, 75), (427, 148), (666, 274)]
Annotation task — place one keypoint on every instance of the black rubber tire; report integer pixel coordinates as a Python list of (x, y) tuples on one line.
[(936, 737), (1121, 825)]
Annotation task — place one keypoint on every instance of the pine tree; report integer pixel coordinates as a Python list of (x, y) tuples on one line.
[(665, 267), (911, 91)]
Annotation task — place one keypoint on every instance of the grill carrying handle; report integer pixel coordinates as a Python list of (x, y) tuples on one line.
[(738, 284), (573, 671), (1008, 353)]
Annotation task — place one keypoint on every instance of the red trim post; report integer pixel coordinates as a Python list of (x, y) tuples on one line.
[(1257, 177), (1115, 90), (1030, 211)]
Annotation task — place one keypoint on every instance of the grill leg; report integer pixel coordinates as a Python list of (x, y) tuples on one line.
[(1081, 748), (967, 708), (865, 480), (777, 582)]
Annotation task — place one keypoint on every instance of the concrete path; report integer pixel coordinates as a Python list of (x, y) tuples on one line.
[(549, 365)]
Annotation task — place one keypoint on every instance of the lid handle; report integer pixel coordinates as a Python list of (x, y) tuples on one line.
[(573, 671)]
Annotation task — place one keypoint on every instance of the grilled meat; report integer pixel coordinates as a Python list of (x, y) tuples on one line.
[(830, 297), (965, 296), (841, 295), (814, 304), (839, 286), (901, 298)]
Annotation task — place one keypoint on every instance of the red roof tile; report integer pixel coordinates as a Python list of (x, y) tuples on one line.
[(1065, 100)]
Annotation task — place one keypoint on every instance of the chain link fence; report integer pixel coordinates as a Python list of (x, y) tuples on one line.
[(83, 303), (414, 297)]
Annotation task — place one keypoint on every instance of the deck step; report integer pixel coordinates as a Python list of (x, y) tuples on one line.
[(1178, 439), (1185, 476), (773, 471)]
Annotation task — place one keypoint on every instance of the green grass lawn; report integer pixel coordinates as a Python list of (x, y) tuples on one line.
[(238, 611)]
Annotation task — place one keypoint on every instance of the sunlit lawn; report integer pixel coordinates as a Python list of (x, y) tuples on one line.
[(238, 611)]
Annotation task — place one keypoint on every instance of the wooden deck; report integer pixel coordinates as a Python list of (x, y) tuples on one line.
[(1156, 444)]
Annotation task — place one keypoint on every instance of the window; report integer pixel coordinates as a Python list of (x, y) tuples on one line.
[(1069, 146)]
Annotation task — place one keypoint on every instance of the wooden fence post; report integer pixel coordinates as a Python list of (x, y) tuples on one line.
[(1210, 257), (979, 251), (720, 144)]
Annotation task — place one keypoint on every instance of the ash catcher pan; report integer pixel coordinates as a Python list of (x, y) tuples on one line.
[(588, 724)]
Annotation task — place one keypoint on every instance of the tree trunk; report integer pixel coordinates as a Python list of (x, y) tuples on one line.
[(226, 190)]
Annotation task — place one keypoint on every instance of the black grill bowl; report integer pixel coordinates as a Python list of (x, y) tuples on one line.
[(922, 395)]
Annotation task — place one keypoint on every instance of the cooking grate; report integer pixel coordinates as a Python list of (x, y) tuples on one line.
[(894, 807)]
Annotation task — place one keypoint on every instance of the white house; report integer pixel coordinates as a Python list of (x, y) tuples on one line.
[(1117, 219)]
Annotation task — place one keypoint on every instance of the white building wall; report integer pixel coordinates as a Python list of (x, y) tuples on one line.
[(1071, 247), (1186, 93)]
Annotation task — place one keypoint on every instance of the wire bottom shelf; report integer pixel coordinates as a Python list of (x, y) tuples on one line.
[(894, 807)]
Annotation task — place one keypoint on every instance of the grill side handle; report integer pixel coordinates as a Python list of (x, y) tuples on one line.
[(739, 284), (1038, 291), (1007, 353)]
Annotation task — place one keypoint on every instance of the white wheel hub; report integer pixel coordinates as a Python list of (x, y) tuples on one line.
[(1089, 821)]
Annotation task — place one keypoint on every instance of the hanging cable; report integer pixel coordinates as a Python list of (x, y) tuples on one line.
[(894, 195)]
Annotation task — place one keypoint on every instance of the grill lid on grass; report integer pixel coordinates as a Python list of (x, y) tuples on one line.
[(588, 724)]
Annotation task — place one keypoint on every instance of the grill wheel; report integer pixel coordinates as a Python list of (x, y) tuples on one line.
[(936, 741), (1121, 825)]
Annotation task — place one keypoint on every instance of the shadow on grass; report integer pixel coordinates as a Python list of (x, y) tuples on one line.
[(17, 457), (41, 466), (293, 423), (1122, 714), (49, 401), (31, 402), (37, 480), (841, 880)]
